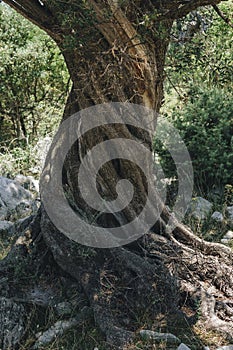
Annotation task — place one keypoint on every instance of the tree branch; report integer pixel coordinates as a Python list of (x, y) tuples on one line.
[(35, 12), (219, 12), (182, 8)]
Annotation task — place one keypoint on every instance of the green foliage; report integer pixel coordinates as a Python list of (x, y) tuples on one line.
[(201, 50), (206, 124), (33, 79), (199, 95), (17, 160)]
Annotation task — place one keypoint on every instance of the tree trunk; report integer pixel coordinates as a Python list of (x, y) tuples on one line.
[(114, 55)]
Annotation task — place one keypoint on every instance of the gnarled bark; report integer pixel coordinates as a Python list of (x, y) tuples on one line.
[(113, 57)]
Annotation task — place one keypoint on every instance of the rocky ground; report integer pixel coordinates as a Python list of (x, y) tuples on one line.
[(19, 202)]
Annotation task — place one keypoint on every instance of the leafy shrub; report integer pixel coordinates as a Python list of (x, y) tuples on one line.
[(205, 123)]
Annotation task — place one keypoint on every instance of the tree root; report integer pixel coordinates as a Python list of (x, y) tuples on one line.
[(156, 275), (210, 318), (182, 233)]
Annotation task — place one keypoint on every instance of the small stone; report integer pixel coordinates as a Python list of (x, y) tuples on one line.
[(199, 208), (158, 337), (226, 347), (228, 235), (217, 216), (183, 347), (224, 241), (64, 308)]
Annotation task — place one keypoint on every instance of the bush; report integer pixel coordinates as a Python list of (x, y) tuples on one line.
[(205, 123)]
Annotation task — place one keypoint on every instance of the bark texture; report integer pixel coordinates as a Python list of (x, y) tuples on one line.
[(114, 55)]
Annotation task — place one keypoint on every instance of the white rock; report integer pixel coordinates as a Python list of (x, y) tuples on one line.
[(224, 241), (64, 308), (28, 182), (199, 208), (228, 235), (217, 216), (226, 347), (14, 199), (183, 347)]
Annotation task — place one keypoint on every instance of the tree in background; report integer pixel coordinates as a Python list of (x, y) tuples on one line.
[(32, 77), (115, 51)]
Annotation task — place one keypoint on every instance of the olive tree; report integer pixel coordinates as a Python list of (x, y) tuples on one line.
[(115, 52)]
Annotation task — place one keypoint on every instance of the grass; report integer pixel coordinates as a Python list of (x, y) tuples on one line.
[(88, 337)]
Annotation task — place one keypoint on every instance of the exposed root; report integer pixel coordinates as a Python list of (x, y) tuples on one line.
[(183, 234), (157, 275), (210, 318)]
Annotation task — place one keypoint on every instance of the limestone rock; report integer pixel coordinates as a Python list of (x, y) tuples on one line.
[(64, 308), (217, 216), (227, 237), (56, 330), (199, 208), (14, 199), (224, 241), (28, 182)]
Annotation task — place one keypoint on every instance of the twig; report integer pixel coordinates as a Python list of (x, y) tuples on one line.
[(219, 12)]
